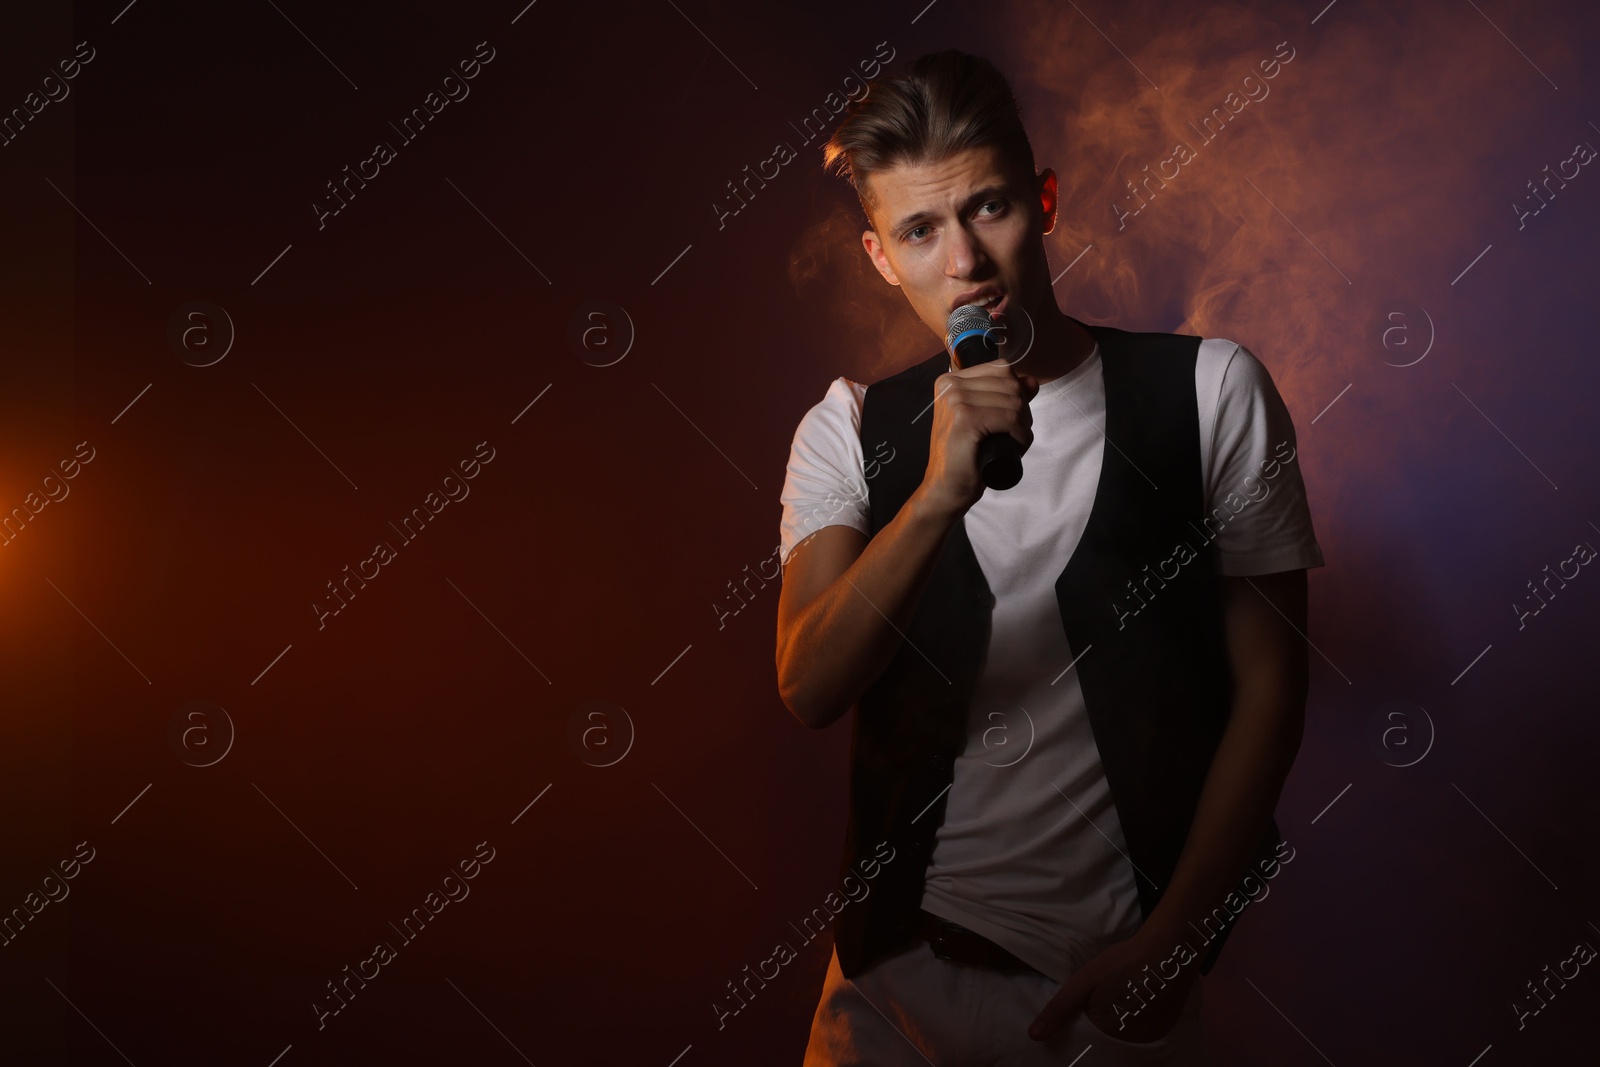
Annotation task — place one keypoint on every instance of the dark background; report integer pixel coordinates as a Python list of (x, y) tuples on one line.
[(593, 558)]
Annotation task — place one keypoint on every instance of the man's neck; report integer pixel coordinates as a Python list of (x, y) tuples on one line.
[(1060, 345)]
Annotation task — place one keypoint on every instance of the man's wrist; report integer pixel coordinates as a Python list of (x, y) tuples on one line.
[(1159, 935), (928, 503), (1163, 951)]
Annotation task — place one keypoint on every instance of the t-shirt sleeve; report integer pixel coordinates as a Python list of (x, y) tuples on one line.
[(825, 484), (1257, 514)]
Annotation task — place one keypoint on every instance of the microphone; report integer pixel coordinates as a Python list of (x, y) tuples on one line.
[(970, 337)]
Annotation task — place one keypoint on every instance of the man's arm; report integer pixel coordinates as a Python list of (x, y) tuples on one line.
[(844, 608), (1265, 620), (846, 603)]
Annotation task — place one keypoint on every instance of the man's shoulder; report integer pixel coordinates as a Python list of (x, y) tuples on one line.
[(838, 411), (1233, 371), (1215, 355)]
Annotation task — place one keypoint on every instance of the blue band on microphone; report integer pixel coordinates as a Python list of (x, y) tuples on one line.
[(964, 334)]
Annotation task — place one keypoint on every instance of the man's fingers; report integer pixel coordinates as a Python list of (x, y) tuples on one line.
[(987, 386), (1003, 401), (1068, 1002)]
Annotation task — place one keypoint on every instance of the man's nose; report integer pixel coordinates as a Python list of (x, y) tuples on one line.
[(963, 254)]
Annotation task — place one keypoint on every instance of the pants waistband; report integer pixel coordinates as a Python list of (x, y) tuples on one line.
[(954, 942)]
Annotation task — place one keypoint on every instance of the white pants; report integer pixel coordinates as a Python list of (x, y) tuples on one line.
[(914, 1008)]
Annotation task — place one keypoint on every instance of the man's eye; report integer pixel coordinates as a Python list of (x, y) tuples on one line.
[(998, 205), (911, 235)]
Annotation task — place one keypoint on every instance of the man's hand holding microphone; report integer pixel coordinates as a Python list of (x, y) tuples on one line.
[(856, 595), (981, 420)]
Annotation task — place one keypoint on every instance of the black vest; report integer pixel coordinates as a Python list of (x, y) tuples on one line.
[(1152, 654)]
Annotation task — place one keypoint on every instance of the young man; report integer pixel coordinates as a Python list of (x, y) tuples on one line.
[(1076, 700)]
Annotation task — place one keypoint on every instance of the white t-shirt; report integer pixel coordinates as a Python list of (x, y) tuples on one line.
[(1031, 853)]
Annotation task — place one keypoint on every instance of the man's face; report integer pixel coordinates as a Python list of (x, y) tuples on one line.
[(958, 230)]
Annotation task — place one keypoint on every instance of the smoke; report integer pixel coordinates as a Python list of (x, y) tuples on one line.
[(1337, 184), (878, 332)]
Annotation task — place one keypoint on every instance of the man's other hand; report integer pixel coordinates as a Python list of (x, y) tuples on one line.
[(1100, 990)]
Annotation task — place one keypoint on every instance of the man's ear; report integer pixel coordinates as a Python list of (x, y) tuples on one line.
[(869, 241), (1049, 200)]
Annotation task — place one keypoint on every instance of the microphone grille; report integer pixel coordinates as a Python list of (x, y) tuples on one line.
[(964, 318)]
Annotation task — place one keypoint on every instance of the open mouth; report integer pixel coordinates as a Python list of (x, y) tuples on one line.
[(994, 303)]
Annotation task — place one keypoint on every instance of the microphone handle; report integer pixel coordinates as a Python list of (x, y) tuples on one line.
[(1000, 461), (999, 455)]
